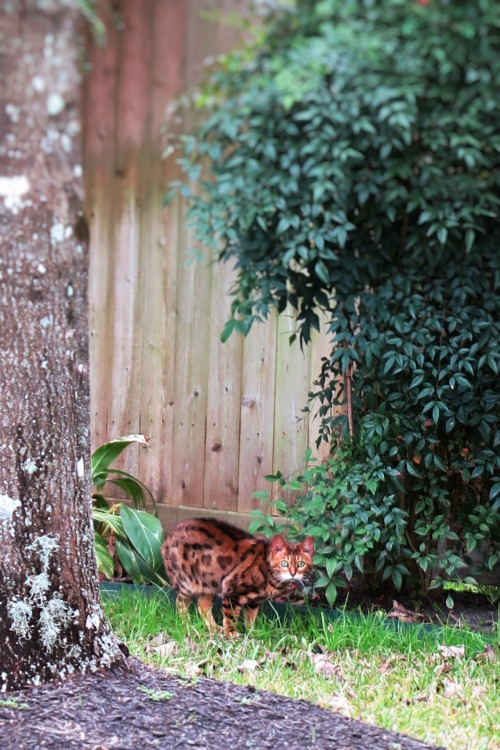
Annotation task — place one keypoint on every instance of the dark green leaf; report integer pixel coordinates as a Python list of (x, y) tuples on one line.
[(107, 453), (104, 560), (135, 565), (145, 534)]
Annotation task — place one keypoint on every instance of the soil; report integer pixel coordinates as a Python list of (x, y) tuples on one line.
[(144, 709)]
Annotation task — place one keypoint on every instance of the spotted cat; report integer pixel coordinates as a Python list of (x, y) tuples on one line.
[(207, 557)]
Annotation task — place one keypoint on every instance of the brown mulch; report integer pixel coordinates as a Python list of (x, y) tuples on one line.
[(144, 709)]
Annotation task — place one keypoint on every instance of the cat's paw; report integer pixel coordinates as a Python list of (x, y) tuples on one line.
[(215, 629)]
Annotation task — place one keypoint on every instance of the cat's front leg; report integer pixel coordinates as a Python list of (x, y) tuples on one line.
[(205, 602), (182, 602), (230, 612), (251, 613)]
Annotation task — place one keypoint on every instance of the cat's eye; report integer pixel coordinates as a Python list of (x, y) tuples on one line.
[(300, 564), (284, 563)]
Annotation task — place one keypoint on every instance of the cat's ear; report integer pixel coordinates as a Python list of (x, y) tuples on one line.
[(308, 545), (278, 544)]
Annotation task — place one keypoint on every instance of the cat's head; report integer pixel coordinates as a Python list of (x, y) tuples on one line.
[(290, 562)]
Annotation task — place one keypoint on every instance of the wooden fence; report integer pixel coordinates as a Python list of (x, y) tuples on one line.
[(220, 416)]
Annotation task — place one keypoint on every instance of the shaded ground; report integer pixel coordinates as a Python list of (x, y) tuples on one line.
[(144, 709), (473, 610)]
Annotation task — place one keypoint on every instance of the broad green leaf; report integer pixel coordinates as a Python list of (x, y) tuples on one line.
[(145, 534), (411, 469), (438, 461), (321, 272), (107, 453), (229, 327), (442, 235), (495, 490), (135, 565), (111, 520), (397, 578), (322, 581), (416, 380), (450, 424), (104, 559), (331, 593), (135, 489), (332, 567)]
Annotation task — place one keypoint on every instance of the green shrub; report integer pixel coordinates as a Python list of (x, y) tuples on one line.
[(352, 165), (129, 537)]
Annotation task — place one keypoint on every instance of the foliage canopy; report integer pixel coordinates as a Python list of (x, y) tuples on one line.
[(352, 166)]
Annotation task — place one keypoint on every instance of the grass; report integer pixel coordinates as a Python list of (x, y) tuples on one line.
[(401, 679)]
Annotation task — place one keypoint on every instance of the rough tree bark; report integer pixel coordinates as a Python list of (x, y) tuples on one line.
[(51, 622)]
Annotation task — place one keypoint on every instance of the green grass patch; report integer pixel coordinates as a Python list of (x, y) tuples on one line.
[(439, 685)]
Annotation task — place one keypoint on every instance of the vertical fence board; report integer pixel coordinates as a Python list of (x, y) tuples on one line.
[(320, 347), (123, 412), (257, 412), (100, 333), (224, 398), (192, 351), (134, 81), (151, 331), (164, 452), (292, 385), (167, 25), (99, 98)]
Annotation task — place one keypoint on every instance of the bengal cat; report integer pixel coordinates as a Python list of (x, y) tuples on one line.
[(206, 557)]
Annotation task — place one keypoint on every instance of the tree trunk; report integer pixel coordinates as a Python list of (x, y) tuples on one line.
[(51, 622)]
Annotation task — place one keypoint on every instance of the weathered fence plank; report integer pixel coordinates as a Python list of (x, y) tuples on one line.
[(257, 412), (292, 384), (163, 438), (192, 352), (224, 399)]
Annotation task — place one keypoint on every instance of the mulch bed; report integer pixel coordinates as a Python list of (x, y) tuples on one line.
[(143, 708)]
